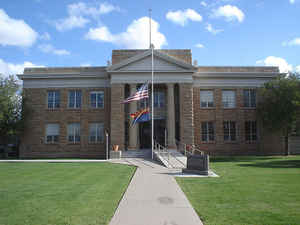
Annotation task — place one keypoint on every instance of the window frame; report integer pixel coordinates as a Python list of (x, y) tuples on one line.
[(53, 141), (97, 93), (231, 131), (159, 103), (207, 134), (99, 138), (55, 94), (249, 101), (252, 132), (74, 129), (75, 99), (228, 107), (207, 102)]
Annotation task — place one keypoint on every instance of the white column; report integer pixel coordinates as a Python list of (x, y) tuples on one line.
[(133, 129), (171, 117)]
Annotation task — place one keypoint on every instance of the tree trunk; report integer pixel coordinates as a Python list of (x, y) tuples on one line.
[(286, 145)]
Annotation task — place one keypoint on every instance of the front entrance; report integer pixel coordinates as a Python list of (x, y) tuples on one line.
[(145, 133)]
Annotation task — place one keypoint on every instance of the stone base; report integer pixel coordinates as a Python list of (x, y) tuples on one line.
[(195, 172), (115, 154)]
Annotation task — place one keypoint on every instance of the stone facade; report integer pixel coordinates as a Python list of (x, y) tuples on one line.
[(33, 143), (182, 103)]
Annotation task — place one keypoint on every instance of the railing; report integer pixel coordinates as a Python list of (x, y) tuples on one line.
[(164, 151), (188, 149), (161, 150)]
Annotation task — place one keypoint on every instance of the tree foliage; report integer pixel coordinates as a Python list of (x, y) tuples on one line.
[(279, 106), (11, 111)]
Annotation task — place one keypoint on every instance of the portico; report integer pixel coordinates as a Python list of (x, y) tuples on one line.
[(168, 72)]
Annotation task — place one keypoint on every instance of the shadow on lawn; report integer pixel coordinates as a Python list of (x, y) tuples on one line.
[(275, 164)]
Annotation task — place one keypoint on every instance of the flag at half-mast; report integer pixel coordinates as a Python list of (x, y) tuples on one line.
[(140, 116), (141, 93)]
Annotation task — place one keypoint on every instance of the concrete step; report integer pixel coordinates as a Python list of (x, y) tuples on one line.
[(144, 153)]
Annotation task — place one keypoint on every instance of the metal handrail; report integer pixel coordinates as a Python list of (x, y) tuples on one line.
[(188, 149)]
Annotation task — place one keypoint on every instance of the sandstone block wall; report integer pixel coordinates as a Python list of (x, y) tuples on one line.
[(266, 144), (33, 143)]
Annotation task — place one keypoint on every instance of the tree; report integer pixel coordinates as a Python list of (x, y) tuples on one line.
[(280, 104), (12, 113)]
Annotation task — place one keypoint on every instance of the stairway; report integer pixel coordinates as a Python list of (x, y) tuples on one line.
[(174, 160), (141, 153)]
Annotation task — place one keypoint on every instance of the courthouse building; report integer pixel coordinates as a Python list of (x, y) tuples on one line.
[(214, 108)]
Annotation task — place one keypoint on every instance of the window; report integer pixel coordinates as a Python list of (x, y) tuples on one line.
[(250, 131), (159, 99), (96, 133), (206, 99), (228, 99), (53, 99), (52, 133), (74, 132), (229, 131), (97, 99), (208, 131), (74, 99), (250, 98)]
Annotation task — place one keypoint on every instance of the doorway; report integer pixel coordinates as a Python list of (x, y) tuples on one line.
[(145, 133)]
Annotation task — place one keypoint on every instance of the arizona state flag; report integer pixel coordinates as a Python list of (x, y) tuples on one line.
[(140, 116)]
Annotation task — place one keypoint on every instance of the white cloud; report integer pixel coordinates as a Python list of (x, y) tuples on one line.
[(12, 69), (293, 42), (79, 13), (203, 3), (45, 36), (15, 32), (229, 12), (71, 22), (182, 17), (292, 1), (85, 64), (47, 48), (135, 36), (276, 61), (199, 45), (212, 30)]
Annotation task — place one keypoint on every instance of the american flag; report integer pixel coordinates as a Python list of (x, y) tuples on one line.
[(141, 93)]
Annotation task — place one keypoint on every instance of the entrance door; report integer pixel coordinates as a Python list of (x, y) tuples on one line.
[(145, 134)]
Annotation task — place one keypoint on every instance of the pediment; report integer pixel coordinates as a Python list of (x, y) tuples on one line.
[(142, 62)]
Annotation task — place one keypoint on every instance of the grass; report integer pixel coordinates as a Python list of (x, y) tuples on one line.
[(251, 190), (61, 193)]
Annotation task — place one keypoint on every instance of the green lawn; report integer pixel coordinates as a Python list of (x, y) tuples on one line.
[(61, 193), (251, 190)]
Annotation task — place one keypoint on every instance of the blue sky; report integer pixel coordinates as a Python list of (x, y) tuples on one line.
[(83, 33)]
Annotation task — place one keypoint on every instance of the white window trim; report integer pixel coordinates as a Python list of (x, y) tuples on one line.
[(96, 92), (230, 131), (207, 131), (46, 135), (74, 133), (54, 99), (75, 99), (101, 134), (249, 98), (206, 102), (229, 107)]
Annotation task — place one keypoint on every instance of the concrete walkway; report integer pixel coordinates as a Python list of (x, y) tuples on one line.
[(154, 198)]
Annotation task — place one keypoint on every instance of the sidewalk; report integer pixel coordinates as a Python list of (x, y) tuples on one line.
[(154, 198)]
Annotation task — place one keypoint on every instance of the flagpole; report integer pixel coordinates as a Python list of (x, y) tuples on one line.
[(152, 88), (152, 100)]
